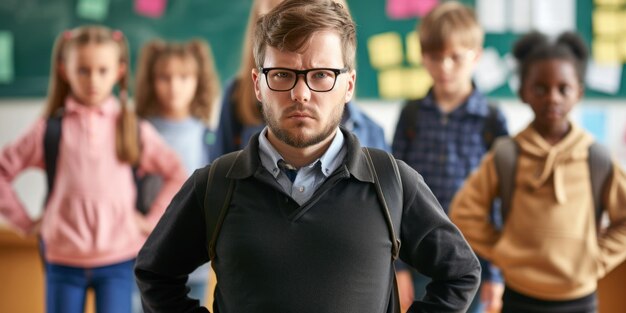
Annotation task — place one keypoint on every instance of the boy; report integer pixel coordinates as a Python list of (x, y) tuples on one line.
[(445, 134)]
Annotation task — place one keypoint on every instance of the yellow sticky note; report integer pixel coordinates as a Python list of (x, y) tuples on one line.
[(607, 22), (403, 83), (605, 50), (413, 48), (385, 50), (417, 82), (609, 2), (391, 83)]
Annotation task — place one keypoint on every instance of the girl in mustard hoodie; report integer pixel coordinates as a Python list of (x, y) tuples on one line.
[(549, 249)]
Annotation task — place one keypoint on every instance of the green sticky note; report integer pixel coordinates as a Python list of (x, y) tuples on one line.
[(92, 9), (6, 57)]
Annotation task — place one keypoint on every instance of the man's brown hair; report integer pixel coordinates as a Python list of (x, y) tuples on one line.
[(449, 22), (291, 24)]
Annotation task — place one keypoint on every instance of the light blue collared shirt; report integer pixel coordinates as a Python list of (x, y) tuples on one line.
[(309, 177)]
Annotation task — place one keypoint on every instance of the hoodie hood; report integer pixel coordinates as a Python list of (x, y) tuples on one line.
[(573, 147)]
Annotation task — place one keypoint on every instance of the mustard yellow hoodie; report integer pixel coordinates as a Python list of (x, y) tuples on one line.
[(548, 247)]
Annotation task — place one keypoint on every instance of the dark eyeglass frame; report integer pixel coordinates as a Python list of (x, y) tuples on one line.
[(304, 73)]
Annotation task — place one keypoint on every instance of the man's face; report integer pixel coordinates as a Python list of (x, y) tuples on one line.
[(301, 117)]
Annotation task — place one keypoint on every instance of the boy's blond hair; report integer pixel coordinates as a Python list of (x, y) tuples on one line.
[(450, 22)]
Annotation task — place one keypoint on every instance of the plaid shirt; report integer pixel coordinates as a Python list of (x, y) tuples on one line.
[(445, 148)]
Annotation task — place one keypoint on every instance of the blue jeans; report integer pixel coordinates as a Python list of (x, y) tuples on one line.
[(66, 287)]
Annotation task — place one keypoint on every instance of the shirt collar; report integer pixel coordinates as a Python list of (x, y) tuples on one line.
[(109, 106), (329, 161), (475, 104), (355, 162)]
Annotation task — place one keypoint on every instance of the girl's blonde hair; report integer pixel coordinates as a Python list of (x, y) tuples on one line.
[(246, 109), (197, 50), (127, 139)]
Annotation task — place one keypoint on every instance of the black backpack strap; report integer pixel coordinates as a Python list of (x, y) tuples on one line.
[(505, 159), (389, 191), (410, 113), (141, 204), (490, 128), (219, 191), (51, 143), (600, 168), (388, 187)]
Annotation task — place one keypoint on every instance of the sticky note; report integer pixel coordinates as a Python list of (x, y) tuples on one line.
[(150, 8), (413, 49), (391, 83), (6, 57), (605, 50), (492, 15), (553, 17), (385, 50), (491, 71), (93, 9), (607, 22), (605, 78), (417, 82), (403, 83), (403, 9), (609, 2), (520, 16)]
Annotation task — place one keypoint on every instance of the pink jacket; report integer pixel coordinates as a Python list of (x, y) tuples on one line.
[(90, 218)]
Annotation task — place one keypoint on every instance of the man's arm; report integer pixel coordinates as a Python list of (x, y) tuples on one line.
[(176, 247), (436, 248)]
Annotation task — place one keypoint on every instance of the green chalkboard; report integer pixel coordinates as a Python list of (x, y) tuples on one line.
[(371, 19), (35, 23)]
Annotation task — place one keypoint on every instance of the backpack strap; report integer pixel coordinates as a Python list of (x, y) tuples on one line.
[(389, 191), (411, 112), (490, 128), (600, 168), (51, 143), (219, 191), (141, 204), (505, 159), (388, 188)]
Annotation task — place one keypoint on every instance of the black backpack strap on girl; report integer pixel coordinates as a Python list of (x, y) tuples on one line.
[(219, 191)]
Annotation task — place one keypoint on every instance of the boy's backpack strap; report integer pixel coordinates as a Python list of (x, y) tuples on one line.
[(51, 143), (505, 159), (600, 168), (410, 112), (388, 187), (219, 191), (490, 129)]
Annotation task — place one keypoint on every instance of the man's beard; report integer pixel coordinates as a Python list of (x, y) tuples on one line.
[(301, 140)]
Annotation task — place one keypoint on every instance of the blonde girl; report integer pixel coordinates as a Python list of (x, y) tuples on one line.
[(177, 86), (90, 229)]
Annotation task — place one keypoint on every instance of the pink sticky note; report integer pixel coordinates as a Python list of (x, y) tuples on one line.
[(150, 8), (403, 9)]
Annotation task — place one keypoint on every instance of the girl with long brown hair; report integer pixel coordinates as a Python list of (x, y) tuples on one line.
[(177, 87)]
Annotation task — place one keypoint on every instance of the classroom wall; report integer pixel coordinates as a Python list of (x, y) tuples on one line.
[(18, 114)]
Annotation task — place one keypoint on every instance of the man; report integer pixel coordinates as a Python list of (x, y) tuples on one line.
[(304, 230)]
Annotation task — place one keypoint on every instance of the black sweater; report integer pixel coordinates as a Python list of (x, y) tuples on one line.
[(332, 254)]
